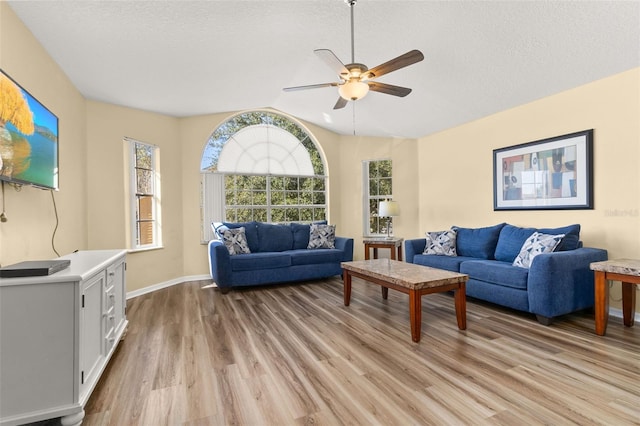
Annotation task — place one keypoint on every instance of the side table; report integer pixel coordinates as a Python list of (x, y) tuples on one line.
[(628, 272), (393, 244)]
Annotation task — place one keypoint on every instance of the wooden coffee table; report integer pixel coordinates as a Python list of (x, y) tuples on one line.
[(414, 280)]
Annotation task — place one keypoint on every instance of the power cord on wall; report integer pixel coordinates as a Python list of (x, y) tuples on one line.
[(3, 217), (53, 236)]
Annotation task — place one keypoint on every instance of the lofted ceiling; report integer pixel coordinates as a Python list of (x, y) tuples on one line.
[(186, 58)]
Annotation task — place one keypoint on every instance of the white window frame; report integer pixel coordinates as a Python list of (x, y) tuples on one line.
[(133, 199), (366, 198)]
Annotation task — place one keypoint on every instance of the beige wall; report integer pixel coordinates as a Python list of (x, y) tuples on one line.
[(457, 189), (108, 183), (31, 220)]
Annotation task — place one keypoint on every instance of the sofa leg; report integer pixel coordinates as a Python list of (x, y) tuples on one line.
[(544, 320), (224, 290)]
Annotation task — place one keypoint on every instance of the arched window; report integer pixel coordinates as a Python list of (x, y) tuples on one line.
[(262, 166)]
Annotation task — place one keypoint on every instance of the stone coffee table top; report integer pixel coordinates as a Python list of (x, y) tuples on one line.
[(405, 274)]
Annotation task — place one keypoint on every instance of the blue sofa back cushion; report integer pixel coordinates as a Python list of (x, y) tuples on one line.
[(571, 240), (250, 231), (274, 237), (300, 233), (510, 242), (478, 242)]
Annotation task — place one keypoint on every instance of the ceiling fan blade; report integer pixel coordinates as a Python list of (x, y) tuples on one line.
[(342, 102), (401, 61), (388, 89), (310, 86), (332, 60)]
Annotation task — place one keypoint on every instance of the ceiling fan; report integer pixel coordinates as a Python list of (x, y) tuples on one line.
[(356, 79)]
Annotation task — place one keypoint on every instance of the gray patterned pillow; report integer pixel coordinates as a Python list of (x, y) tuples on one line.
[(322, 236), (536, 244), (235, 241), (441, 243)]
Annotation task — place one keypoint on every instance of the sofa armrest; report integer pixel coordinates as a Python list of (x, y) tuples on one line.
[(562, 282), (219, 263), (346, 245), (413, 247)]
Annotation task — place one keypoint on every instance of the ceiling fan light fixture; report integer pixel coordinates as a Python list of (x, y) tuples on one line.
[(353, 90)]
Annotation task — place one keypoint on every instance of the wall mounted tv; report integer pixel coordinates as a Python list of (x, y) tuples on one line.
[(28, 138)]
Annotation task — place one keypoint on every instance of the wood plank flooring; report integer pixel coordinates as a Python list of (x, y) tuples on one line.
[(295, 355)]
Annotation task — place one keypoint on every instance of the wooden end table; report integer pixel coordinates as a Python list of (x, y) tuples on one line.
[(414, 280), (628, 272), (393, 244)]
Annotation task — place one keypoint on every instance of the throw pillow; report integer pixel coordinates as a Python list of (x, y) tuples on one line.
[(536, 244), (235, 241), (217, 228), (441, 243), (321, 236)]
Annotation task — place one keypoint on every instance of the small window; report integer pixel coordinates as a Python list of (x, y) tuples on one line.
[(145, 207), (377, 185)]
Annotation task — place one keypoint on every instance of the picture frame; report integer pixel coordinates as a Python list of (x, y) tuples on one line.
[(547, 174)]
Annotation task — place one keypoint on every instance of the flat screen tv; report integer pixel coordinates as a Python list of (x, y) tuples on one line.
[(28, 138)]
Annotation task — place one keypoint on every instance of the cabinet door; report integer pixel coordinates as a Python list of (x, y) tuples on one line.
[(91, 332)]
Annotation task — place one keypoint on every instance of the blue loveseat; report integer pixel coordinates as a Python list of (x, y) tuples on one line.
[(279, 254), (554, 284)]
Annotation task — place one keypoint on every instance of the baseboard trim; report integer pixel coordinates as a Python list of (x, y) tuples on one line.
[(160, 286), (135, 293)]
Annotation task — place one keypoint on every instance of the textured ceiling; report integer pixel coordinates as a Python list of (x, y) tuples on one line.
[(185, 58)]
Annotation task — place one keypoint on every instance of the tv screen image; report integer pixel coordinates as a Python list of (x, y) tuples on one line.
[(28, 138)]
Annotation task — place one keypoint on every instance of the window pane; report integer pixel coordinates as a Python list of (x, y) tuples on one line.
[(243, 215), (373, 187), (260, 215), (318, 198), (145, 233), (144, 179), (318, 184), (319, 214), (277, 198), (277, 183), (291, 184), (385, 187), (230, 215), (306, 198), (306, 183), (144, 157), (384, 168), (293, 215), (230, 196), (373, 170), (244, 198), (306, 214), (145, 208), (260, 198), (292, 198), (277, 215), (259, 182)]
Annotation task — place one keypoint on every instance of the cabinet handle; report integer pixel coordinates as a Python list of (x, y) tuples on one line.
[(112, 273)]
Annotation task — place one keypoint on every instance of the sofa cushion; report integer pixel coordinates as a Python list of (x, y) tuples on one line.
[(250, 231), (477, 242), (235, 241), (571, 240), (313, 257), (441, 243), (300, 233), (273, 237), (510, 242), (321, 236), (536, 244), (257, 261), (450, 263), (496, 272)]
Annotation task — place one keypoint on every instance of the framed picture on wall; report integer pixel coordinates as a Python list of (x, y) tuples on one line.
[(548, 174)]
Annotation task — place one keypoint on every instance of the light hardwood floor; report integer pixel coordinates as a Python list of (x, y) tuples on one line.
[(295, 355)]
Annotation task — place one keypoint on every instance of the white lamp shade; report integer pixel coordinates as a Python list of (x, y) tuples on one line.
[(353, 90), (388, 209)]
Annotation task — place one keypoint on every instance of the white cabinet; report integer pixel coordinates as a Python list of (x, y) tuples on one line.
[(57, 334)]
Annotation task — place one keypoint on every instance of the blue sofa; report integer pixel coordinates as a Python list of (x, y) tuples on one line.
[(555, 283), (279, 254)]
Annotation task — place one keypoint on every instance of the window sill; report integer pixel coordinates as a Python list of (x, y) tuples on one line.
[(143, 249)]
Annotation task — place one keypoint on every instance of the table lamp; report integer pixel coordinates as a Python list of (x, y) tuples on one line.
[(388, 209)]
